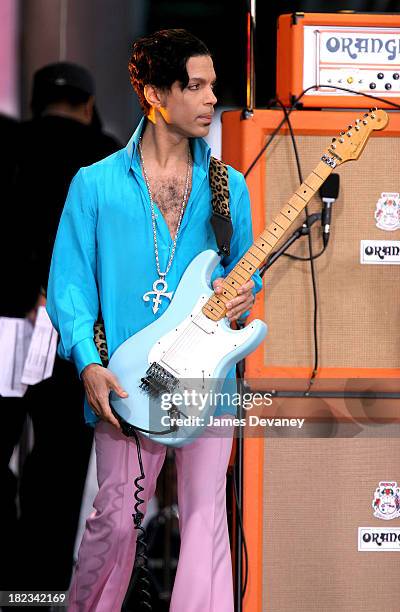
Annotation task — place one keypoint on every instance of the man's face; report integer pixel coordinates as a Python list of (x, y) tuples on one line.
[(189, 111)]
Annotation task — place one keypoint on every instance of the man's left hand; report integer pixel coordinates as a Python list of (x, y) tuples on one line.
[(240, 304)]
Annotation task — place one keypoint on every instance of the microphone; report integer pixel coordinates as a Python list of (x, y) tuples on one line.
[(329, 192)]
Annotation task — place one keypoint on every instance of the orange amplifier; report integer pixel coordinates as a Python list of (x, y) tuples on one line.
[(360, 52)]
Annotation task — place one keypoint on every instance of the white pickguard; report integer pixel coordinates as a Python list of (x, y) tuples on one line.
[(212, 340)]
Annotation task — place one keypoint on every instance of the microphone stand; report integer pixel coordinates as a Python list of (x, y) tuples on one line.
[(303, 230)]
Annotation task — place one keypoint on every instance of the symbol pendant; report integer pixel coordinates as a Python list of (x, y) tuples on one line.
[(158, 293)]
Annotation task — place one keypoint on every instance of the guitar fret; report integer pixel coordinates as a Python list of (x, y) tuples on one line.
[(215, 306), (289, 212), (228, 290), (221, 298), (306, 192), (263, 245), (266, 238), (251, 259), (316, 174), (210, 313), (255, 246), (238, 277), (296, 202), (283, 221), (232, 282), (272, 238), (242, 266), (240, 271)]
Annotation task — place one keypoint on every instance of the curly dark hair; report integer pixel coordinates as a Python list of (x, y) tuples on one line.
[(160, 59)]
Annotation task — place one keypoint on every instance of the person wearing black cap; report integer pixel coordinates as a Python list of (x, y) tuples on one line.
[(64, 135)]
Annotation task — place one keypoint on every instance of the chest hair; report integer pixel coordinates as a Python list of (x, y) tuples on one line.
[(168, 194)]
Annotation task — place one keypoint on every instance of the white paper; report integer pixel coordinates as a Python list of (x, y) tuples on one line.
[(41, 355), (15, 335)]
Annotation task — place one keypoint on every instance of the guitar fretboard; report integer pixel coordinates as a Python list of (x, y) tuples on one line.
[(215, 307)]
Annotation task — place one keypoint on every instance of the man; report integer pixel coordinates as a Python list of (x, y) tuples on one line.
[(38, 541), (129, 220)]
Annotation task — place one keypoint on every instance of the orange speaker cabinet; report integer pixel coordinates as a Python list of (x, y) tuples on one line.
[(359, 305)]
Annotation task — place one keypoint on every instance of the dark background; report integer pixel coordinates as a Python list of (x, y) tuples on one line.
[(222, 25), (100, 32)]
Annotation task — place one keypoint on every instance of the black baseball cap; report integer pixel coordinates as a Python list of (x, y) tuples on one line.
[(61, 80)]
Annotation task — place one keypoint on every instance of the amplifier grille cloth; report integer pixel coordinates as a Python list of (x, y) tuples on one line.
[(359, 305), (317, 492)]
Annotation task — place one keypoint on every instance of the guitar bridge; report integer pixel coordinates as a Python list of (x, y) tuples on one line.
[(158, 380)]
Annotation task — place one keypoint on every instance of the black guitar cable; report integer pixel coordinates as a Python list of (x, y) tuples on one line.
[(141, 559), (311, 257)]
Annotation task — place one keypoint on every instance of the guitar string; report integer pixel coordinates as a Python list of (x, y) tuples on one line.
[(185, 338), (184, 341)]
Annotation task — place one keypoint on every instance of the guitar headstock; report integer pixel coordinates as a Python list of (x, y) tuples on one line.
[(350, 144)]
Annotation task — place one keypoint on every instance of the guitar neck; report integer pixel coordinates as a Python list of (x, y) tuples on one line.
[(215, 307)]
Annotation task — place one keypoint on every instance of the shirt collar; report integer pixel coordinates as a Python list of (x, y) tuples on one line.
[(201, 152)]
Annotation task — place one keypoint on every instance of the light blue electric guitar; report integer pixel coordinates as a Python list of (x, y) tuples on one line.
[(170, 366)]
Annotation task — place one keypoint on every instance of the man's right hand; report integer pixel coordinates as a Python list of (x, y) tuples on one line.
[(98, 382)]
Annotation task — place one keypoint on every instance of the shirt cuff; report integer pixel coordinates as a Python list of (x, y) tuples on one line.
[(84, 353)]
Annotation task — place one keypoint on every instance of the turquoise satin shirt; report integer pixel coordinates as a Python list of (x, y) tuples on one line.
[(104, 249)]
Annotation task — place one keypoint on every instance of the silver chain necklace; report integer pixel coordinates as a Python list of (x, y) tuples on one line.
[(160, 286)]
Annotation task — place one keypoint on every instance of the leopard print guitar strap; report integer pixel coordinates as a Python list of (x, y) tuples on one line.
[(221, 224)]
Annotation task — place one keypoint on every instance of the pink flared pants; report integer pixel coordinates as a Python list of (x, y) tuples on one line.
[(203, 580)]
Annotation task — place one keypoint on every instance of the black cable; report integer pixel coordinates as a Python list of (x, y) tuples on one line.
[(141, 560), (292, 108), (310, 249), (290, 255), (246, 554)]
